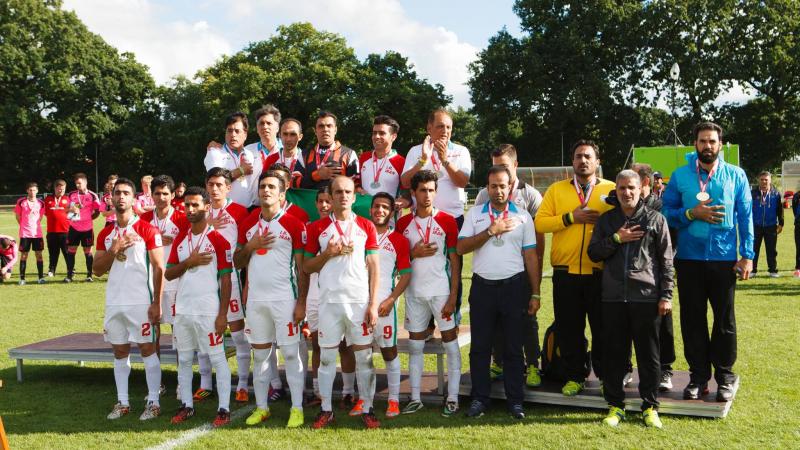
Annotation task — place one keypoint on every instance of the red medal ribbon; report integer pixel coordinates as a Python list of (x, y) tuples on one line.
[(427, 236), (377, 170), (345, 240), (583, 198), (711, 172)]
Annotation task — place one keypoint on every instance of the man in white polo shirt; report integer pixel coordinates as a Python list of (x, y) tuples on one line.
[(432, 236), (131, 253), (348, 266), (235, 157), (201, 260), (453, 166), (271, 247), (504, 241)]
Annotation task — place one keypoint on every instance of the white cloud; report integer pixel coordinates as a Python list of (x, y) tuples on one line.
[(370, 26), (137, 26)]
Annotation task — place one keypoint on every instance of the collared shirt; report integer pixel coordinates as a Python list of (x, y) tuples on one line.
[(449, 197), (30, 217), (495, 261), (242, 190), (524, 197)]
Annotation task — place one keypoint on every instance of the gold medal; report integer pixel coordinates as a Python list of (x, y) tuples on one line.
[(121, 257)]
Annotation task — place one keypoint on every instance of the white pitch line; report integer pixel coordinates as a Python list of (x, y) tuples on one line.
[(198, 432)]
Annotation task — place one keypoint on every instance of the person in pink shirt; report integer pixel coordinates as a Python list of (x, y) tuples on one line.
[(84, 207), (8, 256), (29, 212), (108, 207), (144, 200)]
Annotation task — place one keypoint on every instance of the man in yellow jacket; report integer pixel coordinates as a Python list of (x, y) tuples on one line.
[(569, 210)]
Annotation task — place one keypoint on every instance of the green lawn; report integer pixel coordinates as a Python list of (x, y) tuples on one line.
[(61, 405)]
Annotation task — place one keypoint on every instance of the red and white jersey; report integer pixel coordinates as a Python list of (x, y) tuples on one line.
[(55, 208), (295, 164), (344, 278), (380, 175), (177, 203), (130, 282), (296, 211), (272, 276), (107, 206), (169, 226), (395, 260), (30, 217), (199, 287), (232, 214), (242, 190), (88, 202), (431, 275)]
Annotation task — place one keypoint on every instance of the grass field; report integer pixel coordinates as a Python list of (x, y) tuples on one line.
[(61, 405)]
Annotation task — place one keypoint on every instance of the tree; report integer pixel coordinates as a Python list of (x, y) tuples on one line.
[(65, 91)]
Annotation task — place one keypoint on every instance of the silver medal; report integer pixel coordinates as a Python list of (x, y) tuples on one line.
[(497, 242), (702, 196), (375, 185), (193, 269)]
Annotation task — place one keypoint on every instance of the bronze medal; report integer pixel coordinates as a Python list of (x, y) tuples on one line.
[(121, 257)]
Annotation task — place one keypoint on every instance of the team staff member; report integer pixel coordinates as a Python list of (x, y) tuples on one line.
[(767, 221), (504, 241), (569, 210), (84, 207), (131, 253), (329, 158), (290, 156), (55, 209), (234, 157), (708, 200), (524, 197), (201, 262), (29, 212), (633, 243)]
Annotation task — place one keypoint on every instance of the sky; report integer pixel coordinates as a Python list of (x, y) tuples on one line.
[(177, 37)]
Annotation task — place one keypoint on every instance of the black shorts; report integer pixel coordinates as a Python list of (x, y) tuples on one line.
[(84, 238), (4, 261), (25, 244)]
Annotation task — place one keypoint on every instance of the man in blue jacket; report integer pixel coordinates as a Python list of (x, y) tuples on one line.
[(767, 221), (708, 200)]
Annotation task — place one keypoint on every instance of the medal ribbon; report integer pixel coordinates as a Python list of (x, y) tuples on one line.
[(162, 224), (345, 240), (326, 157), (268, 222), (492, 217), (282, 160), (427, 236), (583, 198), (193, 248), (382, 237), (711, 172), (236, 159), (375, 168)]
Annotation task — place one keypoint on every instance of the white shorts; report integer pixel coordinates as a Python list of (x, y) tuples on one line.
[(312, 314), (168, 306), (196, 333), (235, 310), (419, 311), (338, 320), (269, 322), (124, 324), (386, 330)]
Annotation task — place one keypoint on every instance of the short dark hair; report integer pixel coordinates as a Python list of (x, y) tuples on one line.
[(383, 195), (219, 172), (703, 126), (386, 120), (432, 115), (505, 150), (59, 181), (78, 176), (269, 108), (197, 190), (181, 184), (271, 173), (645, 171), (238, 116), (290, 120), (764, 172), (31, 184), (323, 114), (498, 169), (286, 174), (323, 190), (424, 176), (112, 176), (125, 181), (586, 142), (5, 242), (161, 181)]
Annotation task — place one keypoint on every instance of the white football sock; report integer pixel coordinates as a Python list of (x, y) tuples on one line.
[(242, 358), (295, 376), (326, 374), (152, 373), (204, 367), (393, 378), (185, 373), (220, 363), (365, 371), (122, 370), (260, 373), (303, 359), (315, 386), (348, 383), (453, 369), (416, 360), (274, 373)]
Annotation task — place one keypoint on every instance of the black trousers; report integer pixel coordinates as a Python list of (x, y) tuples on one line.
[(701, 283), (576, 297), (797, 246), (666, 336), (502, 305), (56, 243), (530, 340), (770, 237), (624, 323)]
